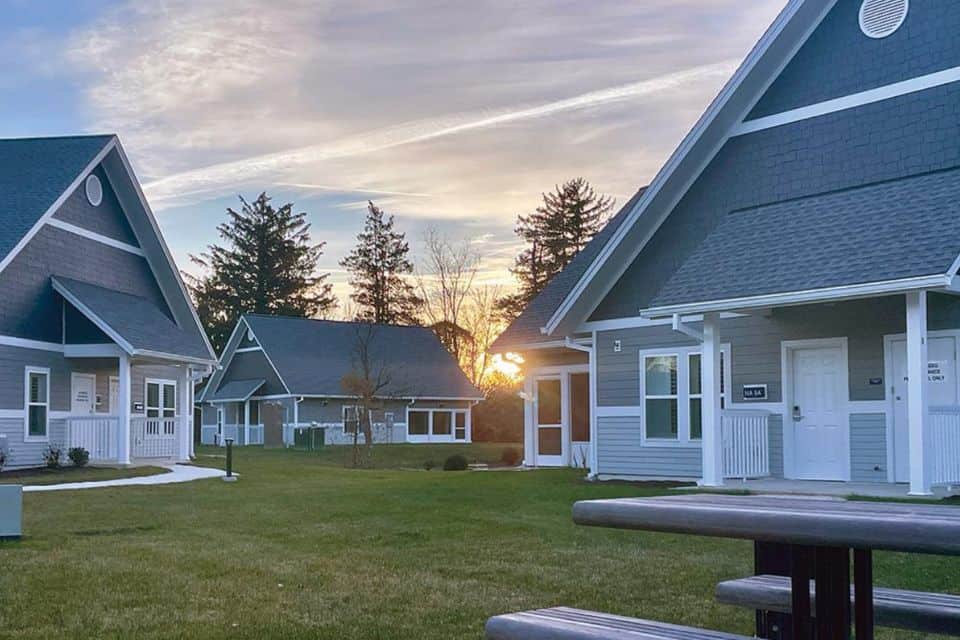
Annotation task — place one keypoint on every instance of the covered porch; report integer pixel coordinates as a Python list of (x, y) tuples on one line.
[(132, 373)]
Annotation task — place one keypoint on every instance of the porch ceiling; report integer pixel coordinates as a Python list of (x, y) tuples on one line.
[(136, 324), (882, 233)]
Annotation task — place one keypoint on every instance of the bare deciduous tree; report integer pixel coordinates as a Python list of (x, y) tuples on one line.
[(481, 319), (370, 381), (445, 280)]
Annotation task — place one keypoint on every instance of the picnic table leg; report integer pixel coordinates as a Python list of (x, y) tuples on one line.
[(833, 593), (800, 563), (772, 558), (863, 593)]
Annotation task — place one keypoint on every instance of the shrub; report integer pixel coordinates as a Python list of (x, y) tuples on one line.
[(79, 456), (52, 457), (429, 464), (511, 456), (3, 459), (455, 462)]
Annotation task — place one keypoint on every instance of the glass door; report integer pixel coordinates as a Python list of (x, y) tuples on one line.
[(551, 440)]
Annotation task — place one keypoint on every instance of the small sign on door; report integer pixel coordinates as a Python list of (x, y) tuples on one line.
[(936, 371), (754, 392)]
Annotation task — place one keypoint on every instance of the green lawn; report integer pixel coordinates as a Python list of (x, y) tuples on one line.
[(301, 547), (74, 474)]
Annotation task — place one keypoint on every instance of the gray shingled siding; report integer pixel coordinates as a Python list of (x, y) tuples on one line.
[(868, 447), (29, 454), (839, 59), (12, 363), (253, 365), (895, 138), (29, 308), (107, 219), (619, 452)]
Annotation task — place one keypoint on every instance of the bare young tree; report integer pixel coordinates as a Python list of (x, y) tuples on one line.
[(445, 279), (369, 382), (484, 323)]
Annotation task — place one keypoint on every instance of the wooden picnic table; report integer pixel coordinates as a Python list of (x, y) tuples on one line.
[(820, 533)]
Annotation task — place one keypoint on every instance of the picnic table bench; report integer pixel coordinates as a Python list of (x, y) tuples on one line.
[(819, 535)]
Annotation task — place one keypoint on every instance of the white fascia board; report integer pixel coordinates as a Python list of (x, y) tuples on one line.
[(172, 265), (266, 355), (639, 322), (96, 237), (53, 208), (91, 350), (705, 123), (174, 357), (792, 298), (223, 361), (26, 343)]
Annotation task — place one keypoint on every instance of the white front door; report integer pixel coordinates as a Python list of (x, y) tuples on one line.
[(819, 413), (83, 389), (941, 391), (550, 438)]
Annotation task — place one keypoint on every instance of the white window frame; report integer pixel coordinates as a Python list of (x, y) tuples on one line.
[(683, 396), (161, 427), (420, 437), (430, 436), (466, 424), (27, 372)]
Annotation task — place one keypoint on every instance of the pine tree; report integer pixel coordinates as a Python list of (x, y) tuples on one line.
[(377, 266), (267, 265), (555, 233)]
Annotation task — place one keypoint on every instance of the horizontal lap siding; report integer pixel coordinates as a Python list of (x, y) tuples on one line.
[(776, 445), (29, 454), (868, 447), (619, 452)]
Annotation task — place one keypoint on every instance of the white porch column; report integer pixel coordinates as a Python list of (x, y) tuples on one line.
[(124, 396), (193, 403), (246, 422), (712, 442), (917, 409), (594, 456), (184, 432), (529, 424)]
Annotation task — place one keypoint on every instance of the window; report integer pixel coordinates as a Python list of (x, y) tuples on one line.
[(254, 412), (661, 397), (160, 402), (441, 423), (673, 394), (460, 425), (418, 423), (696, 393), (37, 397), (548, 401), (351, 420)]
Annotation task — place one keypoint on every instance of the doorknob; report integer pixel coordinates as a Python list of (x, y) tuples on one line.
[(797, 416)]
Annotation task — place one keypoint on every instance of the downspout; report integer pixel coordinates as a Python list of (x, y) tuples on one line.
[(591, 351)]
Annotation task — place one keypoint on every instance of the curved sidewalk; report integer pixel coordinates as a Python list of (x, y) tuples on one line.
[(178, 473)]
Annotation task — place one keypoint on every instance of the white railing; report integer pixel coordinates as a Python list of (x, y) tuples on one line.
[(944, 445), (746, 444), (96, 434), (230, 432), (256, 434), (153, 437)]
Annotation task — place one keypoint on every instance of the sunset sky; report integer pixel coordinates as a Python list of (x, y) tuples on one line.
[(448, 114)]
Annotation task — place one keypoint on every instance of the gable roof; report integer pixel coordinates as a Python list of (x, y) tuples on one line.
[(313, 356), (136, 324), (36, 174), (37, 177), (237, 391), (525, 328), (779, 44), (838, 239)]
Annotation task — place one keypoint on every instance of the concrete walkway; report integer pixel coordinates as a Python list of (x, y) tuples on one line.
[(178, 473)]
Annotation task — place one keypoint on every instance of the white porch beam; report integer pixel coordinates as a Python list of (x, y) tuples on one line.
[(246, 421), (124, 399), (711, 443), (917, 409)]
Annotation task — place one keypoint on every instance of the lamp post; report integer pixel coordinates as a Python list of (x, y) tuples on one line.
[(230, 477)]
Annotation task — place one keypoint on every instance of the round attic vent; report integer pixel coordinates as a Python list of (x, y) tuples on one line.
[(881, 18), (94, 190)]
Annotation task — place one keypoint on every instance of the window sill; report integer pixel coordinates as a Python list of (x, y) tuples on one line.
[(674, 444)]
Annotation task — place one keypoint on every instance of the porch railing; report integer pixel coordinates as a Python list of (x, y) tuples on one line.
[(746, 444), (256, 434), (153, 437), (944, 443), (96, 434)]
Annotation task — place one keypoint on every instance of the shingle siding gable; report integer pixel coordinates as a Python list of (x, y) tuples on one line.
[(107, 219)]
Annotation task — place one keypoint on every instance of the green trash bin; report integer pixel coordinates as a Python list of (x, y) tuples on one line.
[(309, 438)]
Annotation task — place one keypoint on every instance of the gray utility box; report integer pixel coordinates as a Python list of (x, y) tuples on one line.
[(11, 511)]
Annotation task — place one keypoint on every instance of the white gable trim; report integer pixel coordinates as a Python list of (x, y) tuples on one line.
[(851, 101), (864, 290), (666, 174), (48, 214), (163, 246), (266, 354), (96, 237), (25, 343)]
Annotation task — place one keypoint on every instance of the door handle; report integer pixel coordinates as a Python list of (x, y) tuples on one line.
[(797, 416)]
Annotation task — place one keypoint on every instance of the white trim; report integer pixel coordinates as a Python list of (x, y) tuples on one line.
[(594, 456), (12, 414), (53, 208), (96, 237), (266, 355), (27, 372), (94, 318), (175, 357), (24, 343), (161, 382), (689, 142), (787, 348), (852, 101), (638, 322), (868, 289), (171, 263), (247, 349)]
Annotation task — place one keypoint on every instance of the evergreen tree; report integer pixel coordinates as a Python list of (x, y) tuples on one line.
[(267, 265), (555, 233), (377, 267)]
